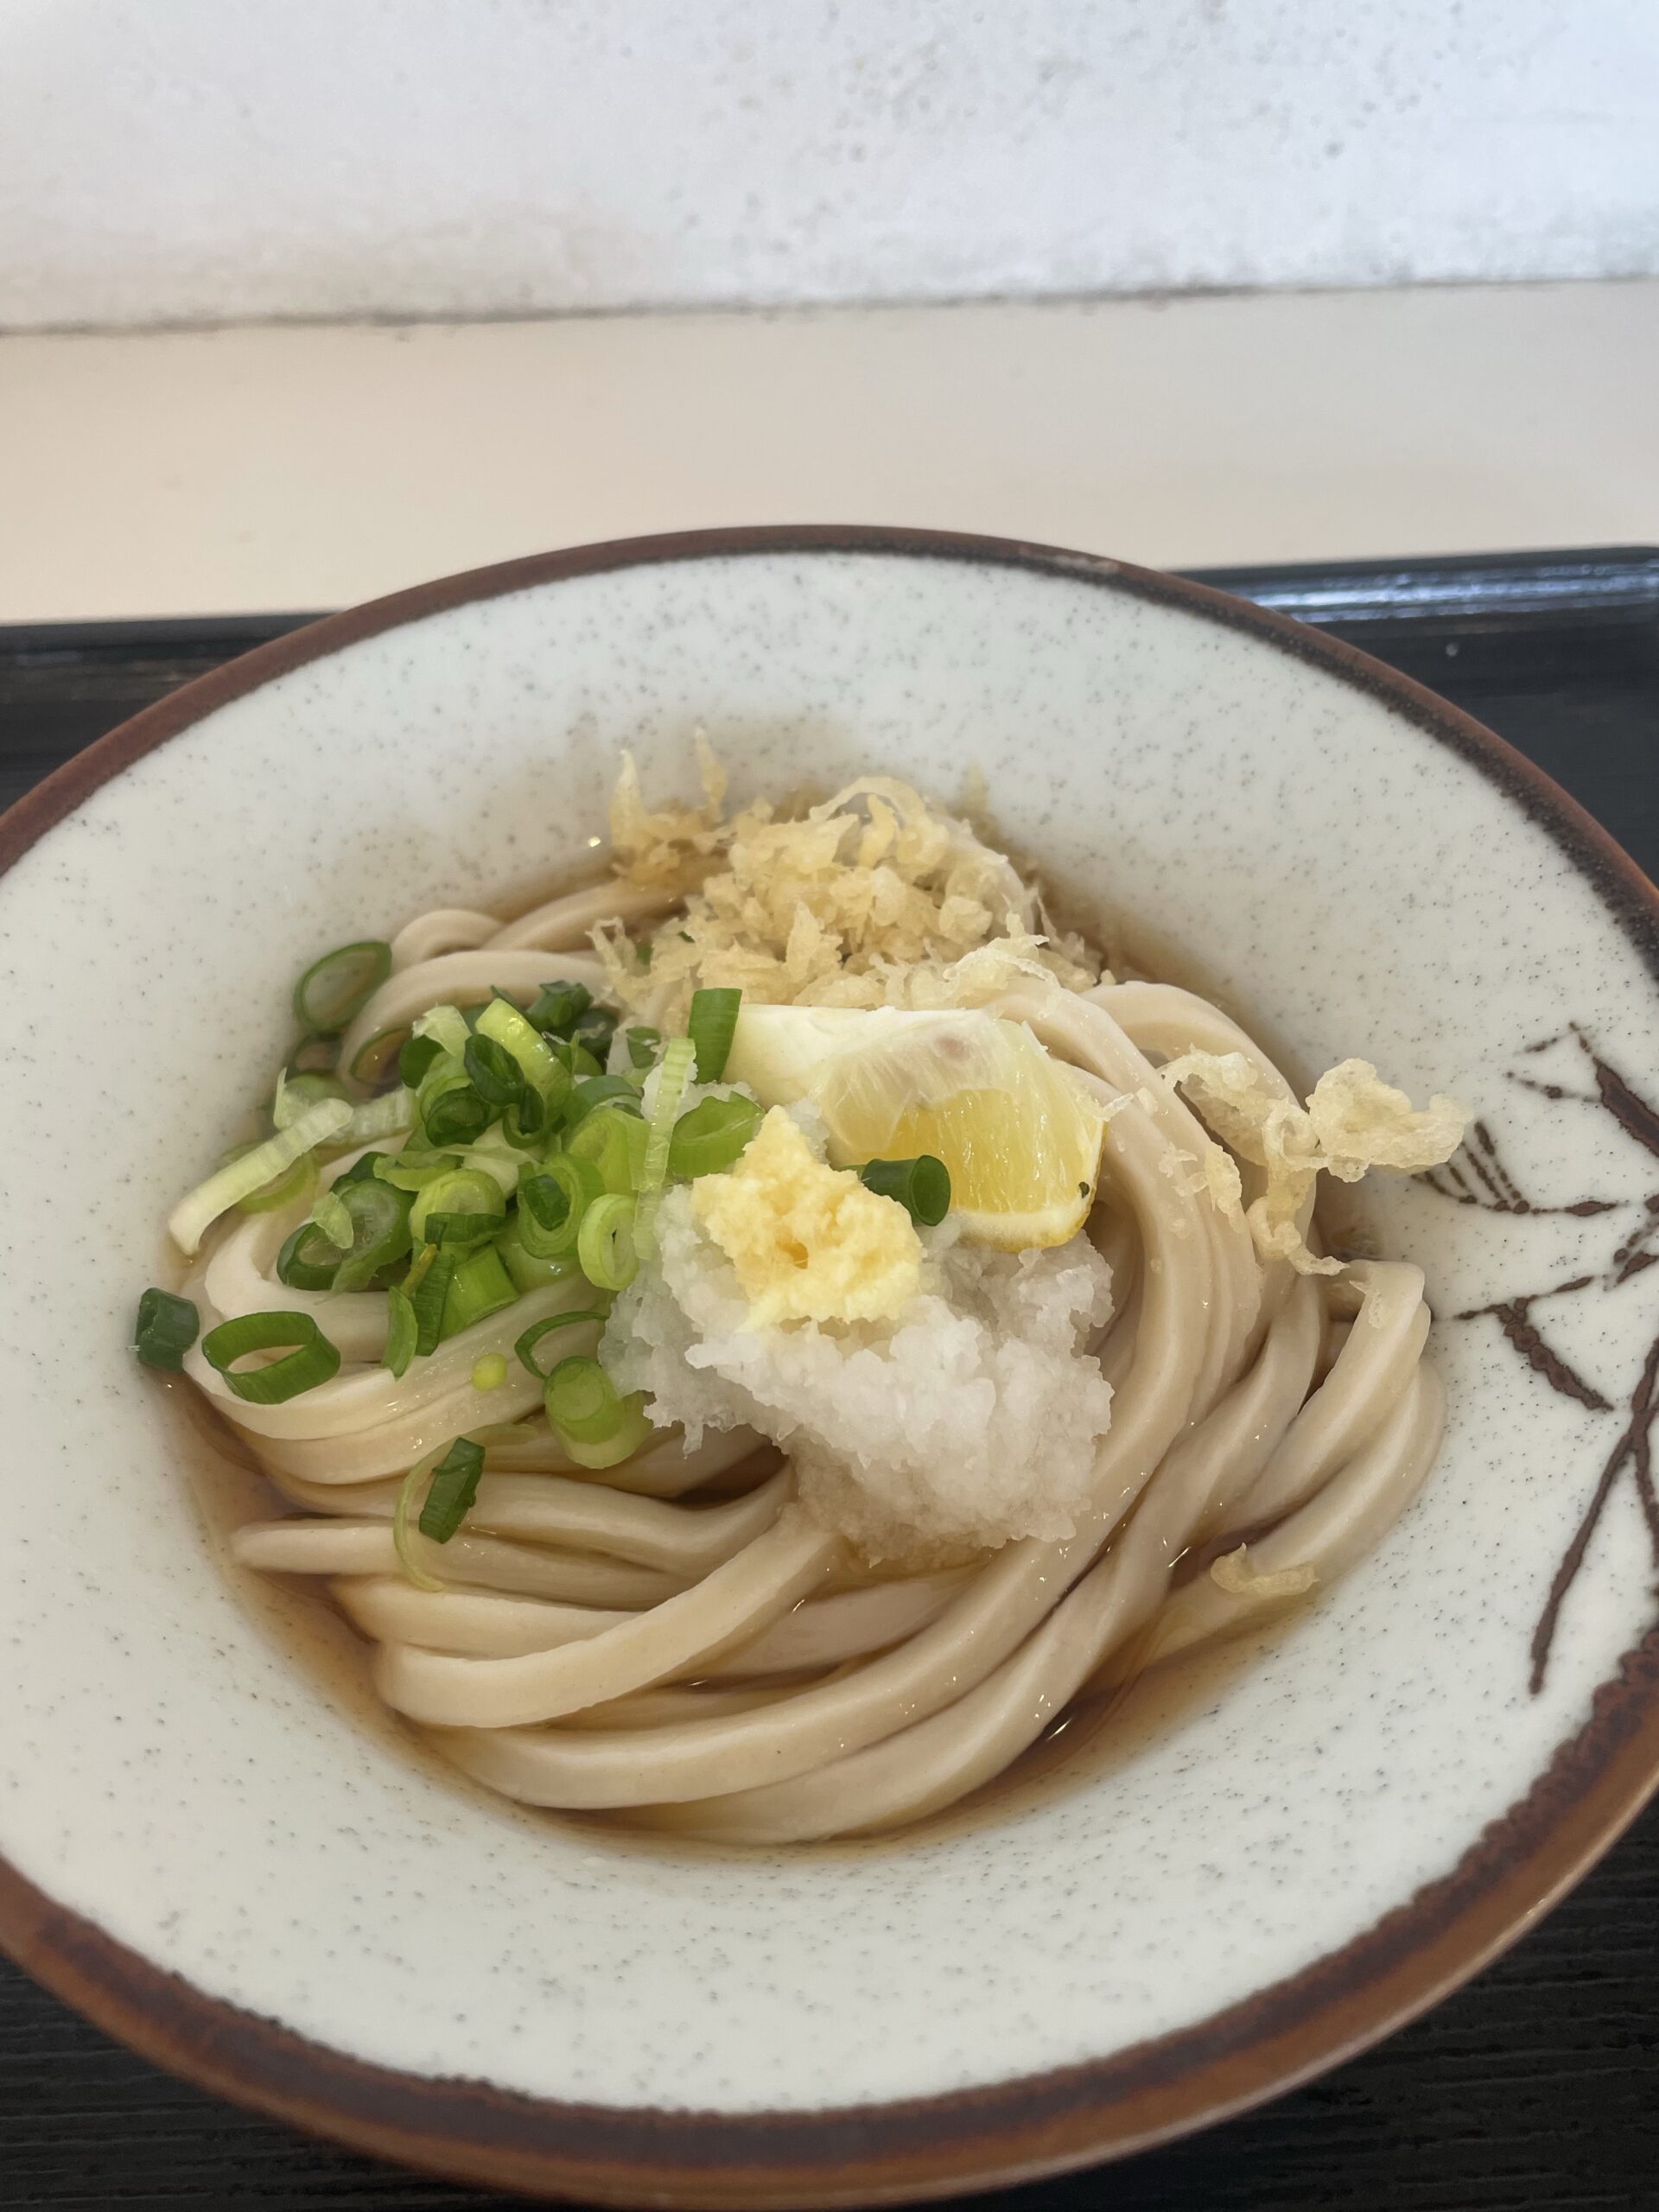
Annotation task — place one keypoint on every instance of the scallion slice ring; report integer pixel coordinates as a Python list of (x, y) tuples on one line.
[(336, 989), (551, 1205), (605, 1242), (526, 1347), (596, 1427), (376, 1055), (310, 1358)]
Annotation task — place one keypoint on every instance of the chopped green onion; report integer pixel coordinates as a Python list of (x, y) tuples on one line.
[(595, 1426), (581, 1400), (503, 1025), (358, 1229), (389, 1116), (643, 1042), (376, 1231), (166, 1329), (597, 1091), (311, 1358), (531, 1271), (711, 1026), (711, 1138), (558, 1006), (400, 1332), (576, 1060), (295, 1184), (400, 1527), (526, 1344), (452, 1112), (605, 1242), (613, 1139), (413, 1168), (375, 1054), (551, 1205), (427, 1288), (489, 1371), (449, 1025), (194, 1213), (494, 1156), (495, 1075), (594, 1031), (442, 1070), (459, 1226), (459, 1209), (678, 1059), (481, 1286), (454, 1485), (295, 1093), (635, 1432), (336, 989), (525, 1123), (361, 1169), (311, 1056), (415, 1061), (330, 1215), (308, 1260), (922, 1186)]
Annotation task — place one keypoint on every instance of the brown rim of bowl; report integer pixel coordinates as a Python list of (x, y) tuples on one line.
[(1595, 1784)]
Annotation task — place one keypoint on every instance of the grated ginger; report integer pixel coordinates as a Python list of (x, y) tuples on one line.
[(807, 1242), (1352, 1122), (872, 899)]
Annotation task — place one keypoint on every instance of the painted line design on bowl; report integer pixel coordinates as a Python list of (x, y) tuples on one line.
[(1477, 1176)]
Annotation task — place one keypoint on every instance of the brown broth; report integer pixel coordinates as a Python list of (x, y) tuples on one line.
[(294, 1612), (1104, 1730)]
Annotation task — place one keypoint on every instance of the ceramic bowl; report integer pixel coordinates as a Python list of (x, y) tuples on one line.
[(217, 1852)]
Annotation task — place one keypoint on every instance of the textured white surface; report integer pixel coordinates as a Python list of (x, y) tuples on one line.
[(211, 472), (217, 159), (165, 1770)]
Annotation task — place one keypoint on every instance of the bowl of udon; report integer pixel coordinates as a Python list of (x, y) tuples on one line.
[(828, 1361)]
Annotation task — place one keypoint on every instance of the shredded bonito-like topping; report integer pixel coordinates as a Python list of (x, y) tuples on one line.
[(1233, 1574), (668, 850), (1212, 1174), (871, 899), (1352, 1122)]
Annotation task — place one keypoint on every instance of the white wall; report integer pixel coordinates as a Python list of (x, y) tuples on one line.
[(219, 159)]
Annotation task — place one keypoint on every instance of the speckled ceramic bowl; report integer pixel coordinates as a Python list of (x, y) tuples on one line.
[(222, 1859)]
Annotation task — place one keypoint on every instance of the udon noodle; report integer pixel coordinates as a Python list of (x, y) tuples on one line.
[(676, 1638)]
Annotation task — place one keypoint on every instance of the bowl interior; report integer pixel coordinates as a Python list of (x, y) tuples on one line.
[(1338, 872)]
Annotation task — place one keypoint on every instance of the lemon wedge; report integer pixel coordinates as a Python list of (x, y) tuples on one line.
[(1020, 1135)]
